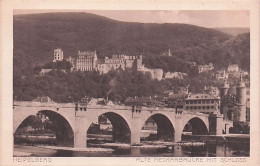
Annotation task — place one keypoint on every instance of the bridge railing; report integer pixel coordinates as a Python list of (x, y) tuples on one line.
[(42, 104), (85, 107)]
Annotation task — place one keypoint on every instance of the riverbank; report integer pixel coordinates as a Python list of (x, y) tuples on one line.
[(21, 154), (207, 150), (224, 138), (46, 151), (77, 149), (31, 151)]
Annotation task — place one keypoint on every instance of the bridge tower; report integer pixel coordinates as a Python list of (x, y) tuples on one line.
[(224, 89), (223, 92), (241, 98)]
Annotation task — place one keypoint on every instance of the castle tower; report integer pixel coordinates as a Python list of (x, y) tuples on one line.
[(224, 89), (139, 62), (95, 61), (58, 55), (241, 98)]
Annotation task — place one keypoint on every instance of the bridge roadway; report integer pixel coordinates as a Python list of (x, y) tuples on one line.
[(75, 119)]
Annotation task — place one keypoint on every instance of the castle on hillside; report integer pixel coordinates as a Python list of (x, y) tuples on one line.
[(120, 61), (84, 61), (58, 55), (88, 61)]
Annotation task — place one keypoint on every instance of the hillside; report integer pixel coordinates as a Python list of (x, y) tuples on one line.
[(234, 50), (233, 31), (36, 35)]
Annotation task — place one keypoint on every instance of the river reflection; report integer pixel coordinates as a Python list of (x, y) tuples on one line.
[(208, 150)]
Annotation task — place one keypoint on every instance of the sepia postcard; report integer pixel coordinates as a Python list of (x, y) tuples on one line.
[(130, 82)]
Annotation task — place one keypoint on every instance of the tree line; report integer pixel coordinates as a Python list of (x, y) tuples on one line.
[(117, 85)]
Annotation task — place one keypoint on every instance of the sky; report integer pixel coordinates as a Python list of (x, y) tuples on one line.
[(204, 18)]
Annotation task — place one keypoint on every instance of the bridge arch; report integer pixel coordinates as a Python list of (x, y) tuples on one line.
[(63, 127), (165, 127), (121, 127), (198, 125), (230, 114), (237, 128)]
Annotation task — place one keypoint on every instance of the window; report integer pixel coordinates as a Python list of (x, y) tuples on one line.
[(191, 102), (203, 107), (187, 107), (191, 107), (195, 107), (208, 107), (199, 101), (187, 102), (212, 107), (195, 102), (212, 101), (199, 107)]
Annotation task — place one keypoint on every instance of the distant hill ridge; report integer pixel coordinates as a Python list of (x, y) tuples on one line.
[(37, 35), (233, 30)]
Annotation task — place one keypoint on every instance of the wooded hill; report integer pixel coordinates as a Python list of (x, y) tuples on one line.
[(37, 35)]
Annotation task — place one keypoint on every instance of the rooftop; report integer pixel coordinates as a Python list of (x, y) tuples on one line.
[(87, 53), (201, 96)]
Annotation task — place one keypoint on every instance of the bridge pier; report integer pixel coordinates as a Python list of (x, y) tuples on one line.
[(177, 136), (80, 139), (80, 133), (216, 124), (135, 128), (135, 137)]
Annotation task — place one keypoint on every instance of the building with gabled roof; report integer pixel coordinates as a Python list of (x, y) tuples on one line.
[(202, 102)]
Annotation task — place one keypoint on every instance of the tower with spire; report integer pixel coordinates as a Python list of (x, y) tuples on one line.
[(169, 52)]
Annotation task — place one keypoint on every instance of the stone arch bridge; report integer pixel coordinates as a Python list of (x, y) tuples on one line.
[(127, 121)]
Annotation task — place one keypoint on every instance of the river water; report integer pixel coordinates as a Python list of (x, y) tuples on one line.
[(208, 150)]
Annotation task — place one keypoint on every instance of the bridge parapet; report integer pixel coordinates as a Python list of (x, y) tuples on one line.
[(157, 109), (194, 113), (43, 104), (116, 107)]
